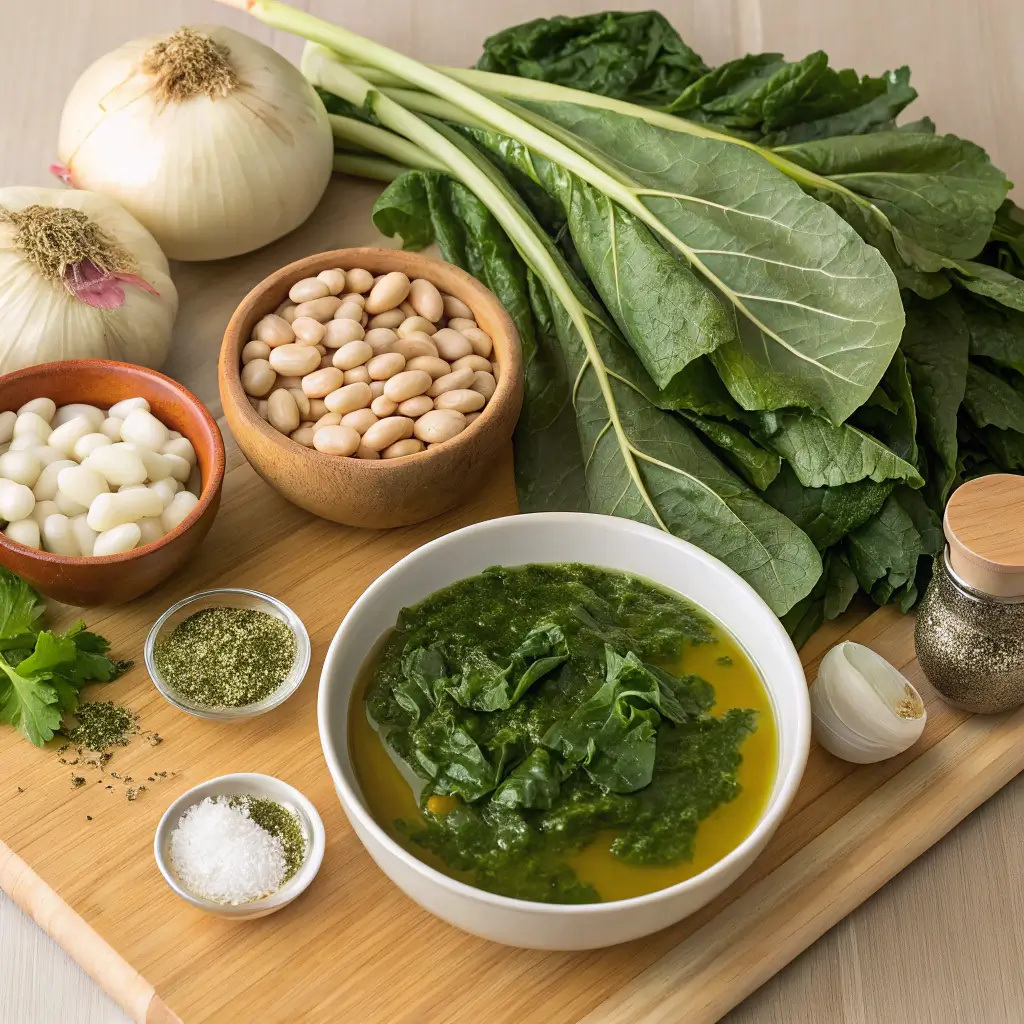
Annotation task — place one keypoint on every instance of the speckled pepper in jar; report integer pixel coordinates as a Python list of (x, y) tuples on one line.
[(970, 644)]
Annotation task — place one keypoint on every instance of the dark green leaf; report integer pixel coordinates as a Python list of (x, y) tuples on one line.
[(644, 464), (935, 345), (938, 192), (549, 462), (991, 282), (727, 89), (826, 350), (1006, 448), (996, 333), (840, 585), (885, 549), (991, 402), (892, 417), (826, 514), (534, 783), (823, 455), (666, 311), (757, 466), (874, 110), (631, 56)]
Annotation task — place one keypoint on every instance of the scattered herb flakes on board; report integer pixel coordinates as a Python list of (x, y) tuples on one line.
[(227, 657), (42, 672), (102, 724)]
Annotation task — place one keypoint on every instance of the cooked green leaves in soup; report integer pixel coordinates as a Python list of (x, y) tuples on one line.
[(563, 733)]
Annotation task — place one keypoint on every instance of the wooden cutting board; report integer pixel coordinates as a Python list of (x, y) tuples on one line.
[(354, 948)]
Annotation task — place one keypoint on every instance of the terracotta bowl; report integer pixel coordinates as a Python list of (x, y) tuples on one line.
[(387, 492), (115, 579)]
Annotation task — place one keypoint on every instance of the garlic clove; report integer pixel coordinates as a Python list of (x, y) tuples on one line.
[(863, 709)]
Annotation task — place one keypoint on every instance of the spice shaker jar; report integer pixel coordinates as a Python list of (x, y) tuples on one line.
[(970, 624)]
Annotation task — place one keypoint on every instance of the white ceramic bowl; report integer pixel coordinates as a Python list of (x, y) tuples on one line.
[(564, 537), (242, 784)]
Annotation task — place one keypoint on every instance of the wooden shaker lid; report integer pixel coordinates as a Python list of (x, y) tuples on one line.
[(984, 526)]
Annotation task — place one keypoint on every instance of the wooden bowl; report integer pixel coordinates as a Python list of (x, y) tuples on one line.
[(115, 579), (386, 492)]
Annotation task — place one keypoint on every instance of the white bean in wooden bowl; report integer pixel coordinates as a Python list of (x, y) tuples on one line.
[(355, 365), (97, 482)]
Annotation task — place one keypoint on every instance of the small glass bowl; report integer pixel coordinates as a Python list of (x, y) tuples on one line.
[(235, 598)]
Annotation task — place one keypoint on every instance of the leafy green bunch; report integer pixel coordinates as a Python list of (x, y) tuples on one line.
[(42, 672), (756, 312)]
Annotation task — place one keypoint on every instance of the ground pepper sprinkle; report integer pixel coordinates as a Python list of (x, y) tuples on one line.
[(227, 657)]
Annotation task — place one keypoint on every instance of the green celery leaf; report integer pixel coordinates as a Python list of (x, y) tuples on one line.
[(51, 651)]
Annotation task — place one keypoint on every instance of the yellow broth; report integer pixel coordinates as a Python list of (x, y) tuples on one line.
[(737, 685)]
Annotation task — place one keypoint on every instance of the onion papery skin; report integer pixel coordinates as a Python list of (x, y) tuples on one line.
[(209, 177), (41, 321)]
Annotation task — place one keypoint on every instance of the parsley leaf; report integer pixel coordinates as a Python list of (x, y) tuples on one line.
[(21, 606), (29, 703), (41, 672)]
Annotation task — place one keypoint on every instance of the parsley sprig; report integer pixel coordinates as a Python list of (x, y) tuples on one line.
[(41, 672)]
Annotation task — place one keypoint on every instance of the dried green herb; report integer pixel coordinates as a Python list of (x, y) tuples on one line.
[(279, 822), (227, 657), (102, 724)]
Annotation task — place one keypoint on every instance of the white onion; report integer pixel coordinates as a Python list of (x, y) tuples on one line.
[(213, 174), (78, 313)]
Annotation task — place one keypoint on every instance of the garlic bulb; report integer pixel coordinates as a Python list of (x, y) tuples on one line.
[(864, 710), (79, 278), (212, 140)]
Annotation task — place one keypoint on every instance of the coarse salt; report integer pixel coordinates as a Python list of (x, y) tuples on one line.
[(220, 854)]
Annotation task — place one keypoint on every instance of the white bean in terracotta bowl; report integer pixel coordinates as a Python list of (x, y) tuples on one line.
[(610, 543)]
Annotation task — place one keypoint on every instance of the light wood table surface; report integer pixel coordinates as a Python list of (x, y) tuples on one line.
[(943, 942)]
